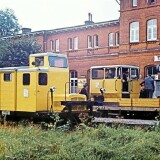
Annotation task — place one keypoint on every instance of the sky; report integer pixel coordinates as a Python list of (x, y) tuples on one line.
[(52, 14)]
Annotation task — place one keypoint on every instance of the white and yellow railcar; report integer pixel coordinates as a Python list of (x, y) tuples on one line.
[(121, 89)]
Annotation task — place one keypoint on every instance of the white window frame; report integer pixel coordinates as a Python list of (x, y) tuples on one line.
[(150, 70), (70, 44), (152, 30), (134, 32), (57, 45), (95, 40), (111, 40), (89, 41), (117, 38), (51, 45), (75, 43), (134, 3), (73, 82)]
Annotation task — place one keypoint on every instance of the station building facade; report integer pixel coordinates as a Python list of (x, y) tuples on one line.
[(133, 39)]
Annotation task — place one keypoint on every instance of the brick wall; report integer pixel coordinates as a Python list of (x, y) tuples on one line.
[(140, 54)]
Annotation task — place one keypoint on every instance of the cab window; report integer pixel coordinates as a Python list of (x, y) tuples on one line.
[(59, 62), (7, 77), (39, 61), (42, 79), (134, 73), (109, 73), (26, 79), (98, 73)]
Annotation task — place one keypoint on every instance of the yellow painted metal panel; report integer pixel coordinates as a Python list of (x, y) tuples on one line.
[(95, 86), (134, 88), (145, 102), (69, 97), (42, 93), (125, 102), (113, 87), (26, 93), (8, 92), (111, 99), (57, 77)]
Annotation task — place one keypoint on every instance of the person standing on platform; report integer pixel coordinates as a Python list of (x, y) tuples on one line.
[(149, 86), (84, 91)]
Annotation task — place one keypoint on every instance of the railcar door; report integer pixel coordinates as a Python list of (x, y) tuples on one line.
[(42, 91), (26, 90), (134, 83), (130, 82), (126, 83), (111, 83)]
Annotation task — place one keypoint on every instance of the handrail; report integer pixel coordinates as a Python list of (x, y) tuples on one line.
[(116, 85), (66, 89)]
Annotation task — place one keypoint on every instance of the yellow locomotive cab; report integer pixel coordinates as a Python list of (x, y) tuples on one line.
[(28, 89)]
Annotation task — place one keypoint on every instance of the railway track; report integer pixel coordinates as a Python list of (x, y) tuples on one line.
[(126, 121)]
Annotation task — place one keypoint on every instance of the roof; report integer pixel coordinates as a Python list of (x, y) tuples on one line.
[(113, 66), (48, 54), (68, 29)]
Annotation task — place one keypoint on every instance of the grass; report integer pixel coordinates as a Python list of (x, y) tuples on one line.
[(32, 143)]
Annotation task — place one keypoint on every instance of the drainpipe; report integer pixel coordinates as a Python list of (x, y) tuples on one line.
[(44, 41)]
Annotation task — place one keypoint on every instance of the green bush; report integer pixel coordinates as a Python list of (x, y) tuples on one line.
[(33, 143)]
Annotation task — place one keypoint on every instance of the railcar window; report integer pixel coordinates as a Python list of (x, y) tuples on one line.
[(134, 73), (59, 62), (26, 79), (109, 73), (7, 77), (39, 61), (98, 73), (42, 79)]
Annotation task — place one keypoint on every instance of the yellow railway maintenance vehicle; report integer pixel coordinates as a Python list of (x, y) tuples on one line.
[(39, 89), (118, 88)]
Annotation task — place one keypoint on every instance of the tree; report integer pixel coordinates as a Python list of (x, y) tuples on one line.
[(15, 52), (8, 23)]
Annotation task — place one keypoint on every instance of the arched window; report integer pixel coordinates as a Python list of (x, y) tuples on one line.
[(95, 38), (75, 43), (89, 41), (51, 45), (110, 39), (70, 43), (57, 45), (150, 70), (134, 32), (117, 38), (152, 29)]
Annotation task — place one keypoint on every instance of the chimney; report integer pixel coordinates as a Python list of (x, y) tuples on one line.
[(26, 30), (89, 22)]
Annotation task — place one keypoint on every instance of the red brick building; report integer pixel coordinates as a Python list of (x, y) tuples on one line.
[(133, 39)]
